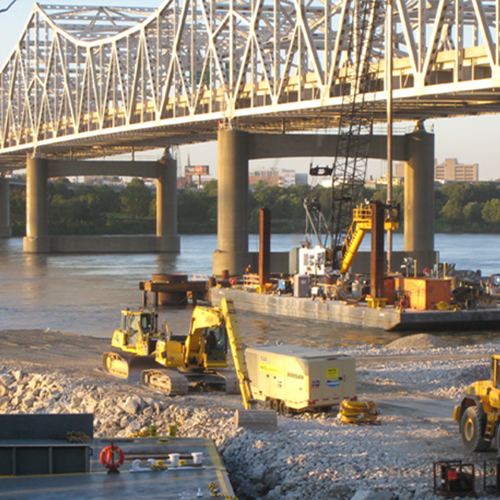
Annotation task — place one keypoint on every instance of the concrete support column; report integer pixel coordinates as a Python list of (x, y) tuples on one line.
[(166, 206), (419, 193), (5, 229), (232, 210), (37, 239)]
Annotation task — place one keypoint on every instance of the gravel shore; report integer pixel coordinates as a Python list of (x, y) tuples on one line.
[(415, 382)]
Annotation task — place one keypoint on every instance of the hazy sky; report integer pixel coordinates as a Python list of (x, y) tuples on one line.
[(469, 139)]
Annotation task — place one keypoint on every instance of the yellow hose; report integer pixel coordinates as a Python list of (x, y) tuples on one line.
[(358, 412)]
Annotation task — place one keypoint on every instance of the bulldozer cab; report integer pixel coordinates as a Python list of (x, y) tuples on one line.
[(138, 327)]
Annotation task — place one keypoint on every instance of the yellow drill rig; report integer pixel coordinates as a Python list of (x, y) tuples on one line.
[(199, 356), (479, 412)]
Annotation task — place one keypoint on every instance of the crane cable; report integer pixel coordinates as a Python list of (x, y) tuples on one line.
[(358, 412)]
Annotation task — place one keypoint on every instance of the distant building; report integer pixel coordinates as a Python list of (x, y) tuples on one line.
[(451, 171), (398, 169), (273, 177)]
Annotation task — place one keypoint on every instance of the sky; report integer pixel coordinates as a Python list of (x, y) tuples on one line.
[(473, 139)]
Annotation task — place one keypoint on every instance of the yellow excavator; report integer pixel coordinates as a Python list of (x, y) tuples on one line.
[(199, 356), (478, 414)]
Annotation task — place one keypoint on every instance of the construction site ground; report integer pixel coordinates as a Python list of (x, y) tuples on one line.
[(415, 382)]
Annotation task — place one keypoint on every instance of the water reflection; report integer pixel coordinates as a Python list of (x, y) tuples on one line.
[(85, 293)]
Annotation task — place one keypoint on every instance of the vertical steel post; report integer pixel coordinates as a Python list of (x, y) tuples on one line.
[(377, 250), (264, 246)]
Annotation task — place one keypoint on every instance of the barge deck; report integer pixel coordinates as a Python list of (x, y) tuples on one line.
[(173, 483), (388, 318)]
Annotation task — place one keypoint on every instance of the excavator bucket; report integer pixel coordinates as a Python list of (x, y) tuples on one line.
[(250, 417)]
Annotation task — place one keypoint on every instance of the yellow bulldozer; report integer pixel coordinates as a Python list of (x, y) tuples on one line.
[(169, 363), (478, 413)]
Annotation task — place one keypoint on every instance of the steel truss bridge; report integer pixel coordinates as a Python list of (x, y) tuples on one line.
[(86, 82)]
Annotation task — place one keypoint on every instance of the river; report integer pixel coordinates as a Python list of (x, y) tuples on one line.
[(83, 294)]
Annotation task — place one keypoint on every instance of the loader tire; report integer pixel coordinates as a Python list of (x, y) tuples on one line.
[(472, 430)]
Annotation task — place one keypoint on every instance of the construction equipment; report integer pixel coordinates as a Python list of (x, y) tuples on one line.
[(293, 378), (479, 412), (361, 223), (199, 356), (133, 344)]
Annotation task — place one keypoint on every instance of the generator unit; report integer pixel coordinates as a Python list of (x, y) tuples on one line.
[(290, 377)]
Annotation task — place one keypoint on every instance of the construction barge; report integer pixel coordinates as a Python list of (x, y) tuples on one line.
[(390, 317)]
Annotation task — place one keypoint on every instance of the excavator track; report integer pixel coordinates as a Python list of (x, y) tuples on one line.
[(126, 365), (168, 382), (231, 381)]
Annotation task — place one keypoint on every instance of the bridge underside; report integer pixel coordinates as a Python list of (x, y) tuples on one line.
[(105, 143)]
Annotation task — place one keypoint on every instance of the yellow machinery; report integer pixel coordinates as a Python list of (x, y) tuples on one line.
[(133, 344), (478, 413), (361, 223), (200, 356)]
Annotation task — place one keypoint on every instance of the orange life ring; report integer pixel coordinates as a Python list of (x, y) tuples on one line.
[(233, 281), (112, 457), (403, 303), (426, 271)]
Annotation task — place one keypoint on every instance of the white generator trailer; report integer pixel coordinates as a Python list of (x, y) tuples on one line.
[(294, 378)]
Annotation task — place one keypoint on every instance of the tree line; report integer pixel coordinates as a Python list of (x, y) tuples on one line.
[(80, 209)]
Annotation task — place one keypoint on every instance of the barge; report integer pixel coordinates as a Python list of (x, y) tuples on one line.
[(389, 318)]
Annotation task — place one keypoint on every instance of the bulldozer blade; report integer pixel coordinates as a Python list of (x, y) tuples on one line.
[(125, 365)]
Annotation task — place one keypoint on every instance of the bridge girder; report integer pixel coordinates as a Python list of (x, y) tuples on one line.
[(82, 86)]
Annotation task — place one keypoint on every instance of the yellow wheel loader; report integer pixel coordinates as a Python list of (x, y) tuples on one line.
[(478, 413), (199, 356)]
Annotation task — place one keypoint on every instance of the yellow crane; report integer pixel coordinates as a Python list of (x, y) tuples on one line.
[(361, 223)]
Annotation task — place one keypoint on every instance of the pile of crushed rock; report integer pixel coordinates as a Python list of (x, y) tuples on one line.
[(419, 341)]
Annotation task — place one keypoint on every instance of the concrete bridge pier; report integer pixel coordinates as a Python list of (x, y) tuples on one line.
[(36, 239), (419, 197), (232, 211), (5, 229), (166, 206)]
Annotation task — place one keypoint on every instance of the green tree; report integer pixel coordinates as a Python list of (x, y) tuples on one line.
[(473, 212), (452, 212), (18, 210), (135, 198), (491, 211)]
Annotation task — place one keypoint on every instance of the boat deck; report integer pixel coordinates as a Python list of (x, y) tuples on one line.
[(183, 482)]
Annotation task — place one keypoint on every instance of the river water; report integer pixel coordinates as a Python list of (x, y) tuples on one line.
[(84, 294)]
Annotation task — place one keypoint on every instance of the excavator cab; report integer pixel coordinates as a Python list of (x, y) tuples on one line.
[(215, 344)]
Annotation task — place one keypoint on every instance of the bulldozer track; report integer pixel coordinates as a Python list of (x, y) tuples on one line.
[(169, 382)]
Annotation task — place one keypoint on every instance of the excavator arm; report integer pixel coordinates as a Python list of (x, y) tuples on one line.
[(233, 333)]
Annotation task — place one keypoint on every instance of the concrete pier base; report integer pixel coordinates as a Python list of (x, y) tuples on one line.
[(232, 210), (140, 243), (39, 170), (419, 192)]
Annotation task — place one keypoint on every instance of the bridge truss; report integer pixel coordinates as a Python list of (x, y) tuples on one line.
[(87, 81)]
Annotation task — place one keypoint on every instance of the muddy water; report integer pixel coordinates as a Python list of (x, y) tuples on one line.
[(84, 293)]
